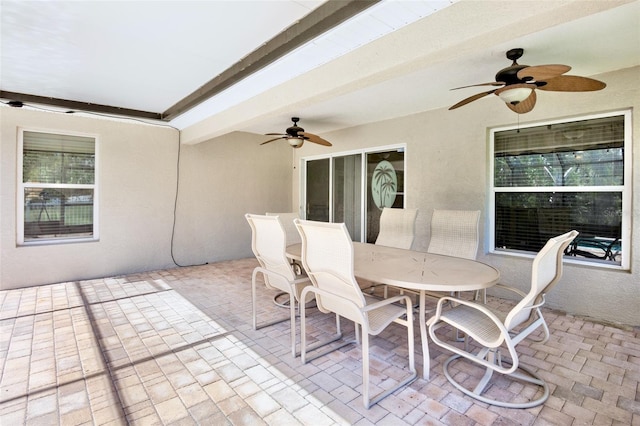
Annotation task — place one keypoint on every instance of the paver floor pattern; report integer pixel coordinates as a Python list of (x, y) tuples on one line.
[(176, 347)]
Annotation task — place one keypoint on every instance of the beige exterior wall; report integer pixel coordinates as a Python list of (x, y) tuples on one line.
[(219, 181), (447, 168), (222, 179)]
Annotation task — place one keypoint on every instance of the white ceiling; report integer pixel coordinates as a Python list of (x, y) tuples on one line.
[(394, 59)]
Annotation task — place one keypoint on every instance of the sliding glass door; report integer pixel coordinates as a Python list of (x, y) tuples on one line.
[(354, 188), (347, 193), (317, 190)]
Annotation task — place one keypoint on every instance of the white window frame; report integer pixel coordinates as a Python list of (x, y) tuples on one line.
[(363, 201), (22, 186), (625, 189)]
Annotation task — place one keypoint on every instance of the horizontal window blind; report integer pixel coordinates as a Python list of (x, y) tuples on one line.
[(603, 133), (37, 141), (62, 159)]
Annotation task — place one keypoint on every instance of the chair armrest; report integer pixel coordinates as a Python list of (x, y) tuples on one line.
[(388, 301), (479, 330), (523, 294), (264, 271), (512, 289)]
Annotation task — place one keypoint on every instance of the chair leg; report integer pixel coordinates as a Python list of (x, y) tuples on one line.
[(366, 399), (482, 293), (365, 370), (291, 318), (423, 336), (303, 337), (292, 312), (254, 314)]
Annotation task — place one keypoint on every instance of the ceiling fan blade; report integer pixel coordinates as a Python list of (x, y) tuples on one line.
[(274, 139), (542, 72), (524, 106), (572, 83), (275, 134), (495, 83), (314, 138), (472, 98)]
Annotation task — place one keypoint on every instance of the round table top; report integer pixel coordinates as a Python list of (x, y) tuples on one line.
[(416, 270)]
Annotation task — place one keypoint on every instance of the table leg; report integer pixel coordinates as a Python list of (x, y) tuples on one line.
[(423, 336)]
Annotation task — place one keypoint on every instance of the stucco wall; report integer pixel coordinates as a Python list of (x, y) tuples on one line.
[(219, 181), (136, 181), (447, 167)]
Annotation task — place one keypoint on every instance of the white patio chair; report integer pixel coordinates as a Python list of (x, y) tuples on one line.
[(397, 228), (292, 237), (268, 243), (327, 256), (496, 330), (455, 233), (286, 219)]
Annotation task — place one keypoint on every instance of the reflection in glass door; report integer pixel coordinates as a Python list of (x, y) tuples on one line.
[(347, 193), (317, 179)]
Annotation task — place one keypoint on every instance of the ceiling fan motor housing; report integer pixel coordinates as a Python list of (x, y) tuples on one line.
[(509, 75), (293, 130)]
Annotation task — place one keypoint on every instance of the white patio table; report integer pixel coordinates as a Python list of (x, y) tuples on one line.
[(419, 272)]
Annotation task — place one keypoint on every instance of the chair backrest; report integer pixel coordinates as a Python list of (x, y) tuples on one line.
[(397, 227), (268, 243), (286, 219), (327, 256), (455, 233), (545, 273)]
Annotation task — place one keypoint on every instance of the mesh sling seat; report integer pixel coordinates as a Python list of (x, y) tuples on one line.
[(286, 219), (327, 256), (455, 233), (292, 237), (397, 229), (268, 243), (495, 330)]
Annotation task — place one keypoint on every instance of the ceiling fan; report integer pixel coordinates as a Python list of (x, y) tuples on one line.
[(296, 136), (518, 83)]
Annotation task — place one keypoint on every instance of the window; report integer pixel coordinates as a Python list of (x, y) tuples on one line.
[(57, 188), (548, 179), (354, 187)]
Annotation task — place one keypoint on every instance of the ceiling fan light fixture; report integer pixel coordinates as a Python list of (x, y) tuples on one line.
[(295, 142), (515, 95)]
